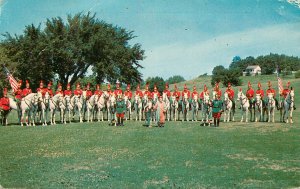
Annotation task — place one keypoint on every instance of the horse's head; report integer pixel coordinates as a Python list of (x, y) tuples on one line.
[(270, 96), (47, 97), (226, 97), (206, 98), (240, 95)]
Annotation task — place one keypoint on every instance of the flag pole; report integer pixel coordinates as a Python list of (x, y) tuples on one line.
[(279, 89)]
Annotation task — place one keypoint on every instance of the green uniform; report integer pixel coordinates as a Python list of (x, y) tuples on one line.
[(120, 110)]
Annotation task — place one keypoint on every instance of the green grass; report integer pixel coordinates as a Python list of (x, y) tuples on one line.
[(180, 155)]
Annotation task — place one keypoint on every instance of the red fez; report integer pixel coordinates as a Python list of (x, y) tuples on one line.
[(108, 86), (68, 85), (78, 84), (20, 82), (175, 86), (138, 86), (41, 82), (185, 87), (288, 84), (167, 85), (128, 86), (205, 87), (88, 85), (258, 84), (155, 88), (229, 84), (241, 89), (269, 83), (98, 85), (249, 84), (194, 87), (27, 81)]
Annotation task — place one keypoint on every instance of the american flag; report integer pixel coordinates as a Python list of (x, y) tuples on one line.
[(11, 79), (280, 87)]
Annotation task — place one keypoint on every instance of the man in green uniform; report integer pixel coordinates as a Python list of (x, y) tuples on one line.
[(120, 110), (217, 106)]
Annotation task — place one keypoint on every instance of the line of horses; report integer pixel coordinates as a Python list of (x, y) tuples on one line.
[(36, 108)]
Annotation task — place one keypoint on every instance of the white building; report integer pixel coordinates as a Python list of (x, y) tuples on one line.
[(252, 70)]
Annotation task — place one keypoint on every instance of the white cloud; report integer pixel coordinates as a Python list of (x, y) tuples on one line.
[(191, 60), (294, 2)]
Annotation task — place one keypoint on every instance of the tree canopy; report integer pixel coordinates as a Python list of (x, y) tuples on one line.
[(68, 50), (175, 79)]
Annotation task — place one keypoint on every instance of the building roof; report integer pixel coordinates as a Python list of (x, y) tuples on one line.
[(253, 67)]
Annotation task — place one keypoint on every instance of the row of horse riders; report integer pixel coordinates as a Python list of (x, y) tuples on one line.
[(19, 93)]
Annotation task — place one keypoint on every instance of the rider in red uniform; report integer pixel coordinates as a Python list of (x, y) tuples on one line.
[(68, 91), (270, 90), (98, 90), (250, 95), (176, 93), (260, 92), (27, 90), (59, 89), (78, 91), (230, 93), (217, 89), (138, 91), (185, 91), (194, 93), (285, 92), (41, 89), (109, 91), (128, 92), (147, 92), (89, 93), (118, 91), (205, 91), (155, 94), (4, 105), (49, 90), (167, 91), (18, 94)]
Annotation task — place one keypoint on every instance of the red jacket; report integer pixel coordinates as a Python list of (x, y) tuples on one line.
[(26, 91), (261, 92), (98, 92), (42, 90), (59, 92), (177, 95), (168, 93), (250, 93), (68, 93), (77, 92), (19, 94), (201, 96), (4, 103), (140, 93), (285, 92), (194, 93), (128, 94), (118, 92), (186, 92), (89, 93), (271, 91), (230, 93)]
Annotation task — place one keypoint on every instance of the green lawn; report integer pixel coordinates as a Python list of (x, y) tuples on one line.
[(180, 155)]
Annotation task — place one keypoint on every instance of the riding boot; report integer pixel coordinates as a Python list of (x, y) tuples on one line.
[(215, 122), (218, 122), (122, 122)]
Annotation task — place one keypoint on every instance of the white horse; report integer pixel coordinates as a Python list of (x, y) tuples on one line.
[(185, 107), (43, 106), (289, 107), (100, 104), (206, 109), (62, 107), (77, 103), (53, 105), (69, 108), (227, 108), (167, 106), (138, 106), (195, 108), (244, 105), (271, 107), (111, 108), (90, 106), (258, 108), (128, 108), (174, 108)]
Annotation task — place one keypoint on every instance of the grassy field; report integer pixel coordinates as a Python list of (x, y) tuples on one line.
[(180, 155)]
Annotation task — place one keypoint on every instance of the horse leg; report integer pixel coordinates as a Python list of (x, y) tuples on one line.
[(291, 115)]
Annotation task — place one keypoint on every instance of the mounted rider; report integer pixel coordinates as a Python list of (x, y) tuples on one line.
[(167, 91), (89, 93), (78, 91), (26, 91), (128, 92), (147, 92), (187, 92), (68, 91), (250, 95), (204, 92), (4, 105), (109, 91), (217, 89), (194, 93), (270, 90), (49, 90), (41, 89), (138, 91), (155, 94), (285, 92), (230, 93), (260, 91), (98, 90), (59, 89), (118, 91)]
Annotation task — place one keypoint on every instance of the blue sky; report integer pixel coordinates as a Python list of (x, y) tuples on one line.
[(180, 37)]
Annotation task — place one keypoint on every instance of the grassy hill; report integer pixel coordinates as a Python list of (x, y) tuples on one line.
[(180, 155)]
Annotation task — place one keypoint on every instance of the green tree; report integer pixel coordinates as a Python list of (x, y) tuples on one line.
[(69, 49), (158, 81), (175, 79), (218, 69)]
